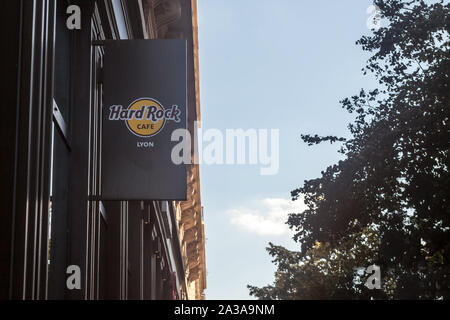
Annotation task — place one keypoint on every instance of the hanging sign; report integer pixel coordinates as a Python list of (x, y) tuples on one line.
[(144, 101)]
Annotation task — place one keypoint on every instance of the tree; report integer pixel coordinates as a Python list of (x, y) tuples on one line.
[(394, 179), (323, 272)]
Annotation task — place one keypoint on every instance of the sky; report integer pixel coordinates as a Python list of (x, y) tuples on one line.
[(271, 64)]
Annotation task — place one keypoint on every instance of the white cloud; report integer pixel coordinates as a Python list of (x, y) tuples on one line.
[(267, 216)]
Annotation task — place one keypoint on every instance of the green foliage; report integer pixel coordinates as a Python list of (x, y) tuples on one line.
[(394, 179), (324, 272)]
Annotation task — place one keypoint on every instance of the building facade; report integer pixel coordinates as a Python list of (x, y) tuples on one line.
[(53, 216)]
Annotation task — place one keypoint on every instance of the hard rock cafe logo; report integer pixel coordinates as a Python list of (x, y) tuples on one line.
[(145, 117)]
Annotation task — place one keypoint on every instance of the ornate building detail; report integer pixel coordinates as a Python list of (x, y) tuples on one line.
[(161, 14)]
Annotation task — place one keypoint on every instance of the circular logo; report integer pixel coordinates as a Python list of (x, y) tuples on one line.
[(147, 118)]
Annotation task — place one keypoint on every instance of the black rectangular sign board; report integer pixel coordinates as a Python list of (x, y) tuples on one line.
[(144, 90)]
